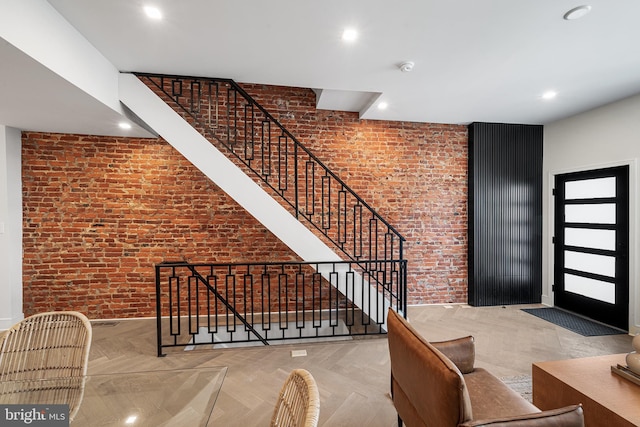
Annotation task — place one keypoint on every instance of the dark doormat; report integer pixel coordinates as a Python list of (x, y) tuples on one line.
[(572, 322)]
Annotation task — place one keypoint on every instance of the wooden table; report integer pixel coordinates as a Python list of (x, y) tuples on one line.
[(607, 398)]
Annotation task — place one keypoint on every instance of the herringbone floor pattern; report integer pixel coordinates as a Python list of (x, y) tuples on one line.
[(352, 376)]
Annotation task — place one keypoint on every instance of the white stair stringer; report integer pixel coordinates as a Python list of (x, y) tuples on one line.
[(163, 120)]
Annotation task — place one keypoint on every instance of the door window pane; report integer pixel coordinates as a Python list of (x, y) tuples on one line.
[(604, 213), (587, 238), (596, 264), (595, 289), (590, 188)]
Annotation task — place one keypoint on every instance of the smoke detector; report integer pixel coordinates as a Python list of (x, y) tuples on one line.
[(577, 12), (406, 66)]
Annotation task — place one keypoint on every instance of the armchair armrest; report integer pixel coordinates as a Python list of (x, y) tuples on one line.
[(461, 351), (569, 416)]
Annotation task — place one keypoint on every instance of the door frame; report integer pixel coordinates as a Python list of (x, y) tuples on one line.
[(634, 241), (614, 313)]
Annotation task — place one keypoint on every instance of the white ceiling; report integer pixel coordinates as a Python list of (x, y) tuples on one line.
[(475, 60)]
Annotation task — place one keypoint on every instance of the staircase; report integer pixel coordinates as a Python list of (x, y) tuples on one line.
[(220, 129)]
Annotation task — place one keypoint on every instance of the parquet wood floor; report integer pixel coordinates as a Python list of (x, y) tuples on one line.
[(352, 376)]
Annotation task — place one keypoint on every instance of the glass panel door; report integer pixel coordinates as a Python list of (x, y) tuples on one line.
[(592, 244)]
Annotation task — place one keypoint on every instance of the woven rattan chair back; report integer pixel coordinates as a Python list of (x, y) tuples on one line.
[(298, 403), (46, 355)]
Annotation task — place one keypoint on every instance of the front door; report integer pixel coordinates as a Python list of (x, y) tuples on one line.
[(591, 272)]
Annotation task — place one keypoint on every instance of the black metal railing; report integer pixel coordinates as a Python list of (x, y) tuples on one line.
[(221, 304), (233, 121)]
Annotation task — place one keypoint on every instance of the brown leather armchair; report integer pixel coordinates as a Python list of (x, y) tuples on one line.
[(437, 385)]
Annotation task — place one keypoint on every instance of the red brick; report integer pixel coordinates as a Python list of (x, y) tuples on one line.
[(100, 212)]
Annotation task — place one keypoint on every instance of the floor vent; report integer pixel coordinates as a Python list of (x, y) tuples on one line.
[(104, 323)]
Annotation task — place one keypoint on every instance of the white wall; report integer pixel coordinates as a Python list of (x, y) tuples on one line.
[(10, 227), (604, 137)]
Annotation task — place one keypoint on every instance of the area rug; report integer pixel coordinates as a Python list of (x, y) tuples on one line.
[(572, 322), (521, 384)]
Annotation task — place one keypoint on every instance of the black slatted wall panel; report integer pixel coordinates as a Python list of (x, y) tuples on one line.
[(505, 214)]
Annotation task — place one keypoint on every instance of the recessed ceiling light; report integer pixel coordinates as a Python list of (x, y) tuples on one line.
[(382, 106), (349, 35), (153, 12), (550, 94), (124, 125), (577, 12)]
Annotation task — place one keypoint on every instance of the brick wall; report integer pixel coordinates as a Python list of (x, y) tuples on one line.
[(413, 174), (100, 212)]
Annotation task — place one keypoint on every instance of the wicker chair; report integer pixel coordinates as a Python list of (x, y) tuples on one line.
[(43, 359), (299, 402)]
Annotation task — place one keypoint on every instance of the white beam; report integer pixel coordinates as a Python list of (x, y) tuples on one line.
[(10, 227)]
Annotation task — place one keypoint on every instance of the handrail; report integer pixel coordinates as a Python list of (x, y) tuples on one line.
[(329, 171), (274, 301), (346, 209)]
